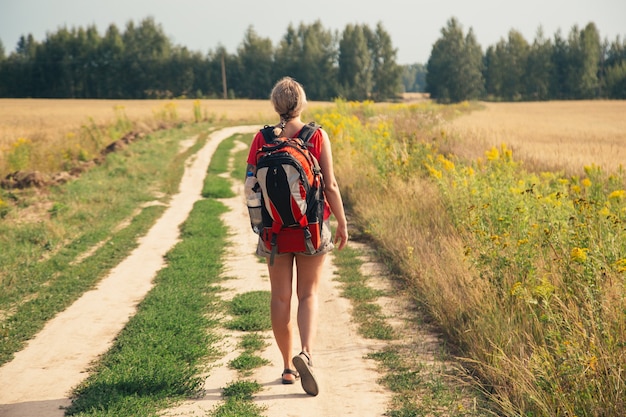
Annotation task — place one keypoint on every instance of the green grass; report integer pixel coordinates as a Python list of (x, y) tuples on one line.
[(253, 342), (425, 388), (218, 186), (247, 362), (158, 357), (43, 234), (234, 407), (239, 158), (238, 396), (241, 390), (68, 282), (251, 311), (366, 313), (251, 314)]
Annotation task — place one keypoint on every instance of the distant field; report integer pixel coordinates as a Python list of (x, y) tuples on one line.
[(550, 135), (567, 134), (40, 134), (39, 118)]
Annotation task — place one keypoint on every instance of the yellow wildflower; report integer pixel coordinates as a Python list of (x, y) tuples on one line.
[(516, 289), (579, 255), (492, 154), (434, 172), (446, 163), (586, 182), (21, 142), (617, 194), (507, 153), (544, 289)]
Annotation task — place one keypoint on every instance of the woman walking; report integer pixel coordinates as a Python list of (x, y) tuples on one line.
[(289, 99)]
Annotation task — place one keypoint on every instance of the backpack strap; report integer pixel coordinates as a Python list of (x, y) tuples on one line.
[(308, 130), (268, 133), (305, 134)]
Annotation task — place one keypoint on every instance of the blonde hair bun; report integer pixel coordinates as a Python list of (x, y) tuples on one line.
[(288, 98)]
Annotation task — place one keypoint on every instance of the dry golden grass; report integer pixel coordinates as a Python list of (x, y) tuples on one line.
[(547, 135), (40, 118), (559, 135), (53, 127), (415, 97)]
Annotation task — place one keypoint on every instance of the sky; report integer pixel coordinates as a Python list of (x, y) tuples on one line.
[(414, 25)]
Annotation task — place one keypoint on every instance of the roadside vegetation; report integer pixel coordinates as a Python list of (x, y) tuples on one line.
[(523, 271), (49, 258), (423, 383)]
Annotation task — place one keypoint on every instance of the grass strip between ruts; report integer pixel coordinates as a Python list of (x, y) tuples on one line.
[(156, 359), (40, 282), (71, 282)]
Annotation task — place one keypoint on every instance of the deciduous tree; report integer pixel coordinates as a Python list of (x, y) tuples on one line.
[(255, 57), (455, 65), (538, 68), (414, 78), (615, 70), (386, 73), (355, 72), (317, 63)]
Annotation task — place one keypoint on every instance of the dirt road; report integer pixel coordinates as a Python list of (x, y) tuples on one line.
[(39, 379)]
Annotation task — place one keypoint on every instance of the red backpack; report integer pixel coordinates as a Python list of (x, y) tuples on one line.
[(292, 190)]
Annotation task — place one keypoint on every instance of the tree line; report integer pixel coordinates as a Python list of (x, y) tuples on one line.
[(142, 62), (581, 66), (357, 64)]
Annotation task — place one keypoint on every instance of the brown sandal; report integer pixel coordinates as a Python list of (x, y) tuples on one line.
[(304, 365), (288, 371)]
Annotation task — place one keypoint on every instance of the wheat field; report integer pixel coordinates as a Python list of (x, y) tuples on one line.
[(564, 135), (35, 119)]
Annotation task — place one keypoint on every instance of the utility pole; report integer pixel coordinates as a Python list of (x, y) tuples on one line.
[(224, 77)]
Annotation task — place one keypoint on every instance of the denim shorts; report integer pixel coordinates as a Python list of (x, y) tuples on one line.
[(326, 244)]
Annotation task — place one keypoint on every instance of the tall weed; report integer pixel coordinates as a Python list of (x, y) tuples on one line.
[(18, 154)]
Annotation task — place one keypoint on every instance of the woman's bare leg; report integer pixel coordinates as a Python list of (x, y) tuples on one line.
[(281, 275), (309, 271)]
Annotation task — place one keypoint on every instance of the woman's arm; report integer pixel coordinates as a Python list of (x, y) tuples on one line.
[(332, 193), (251, 168)]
